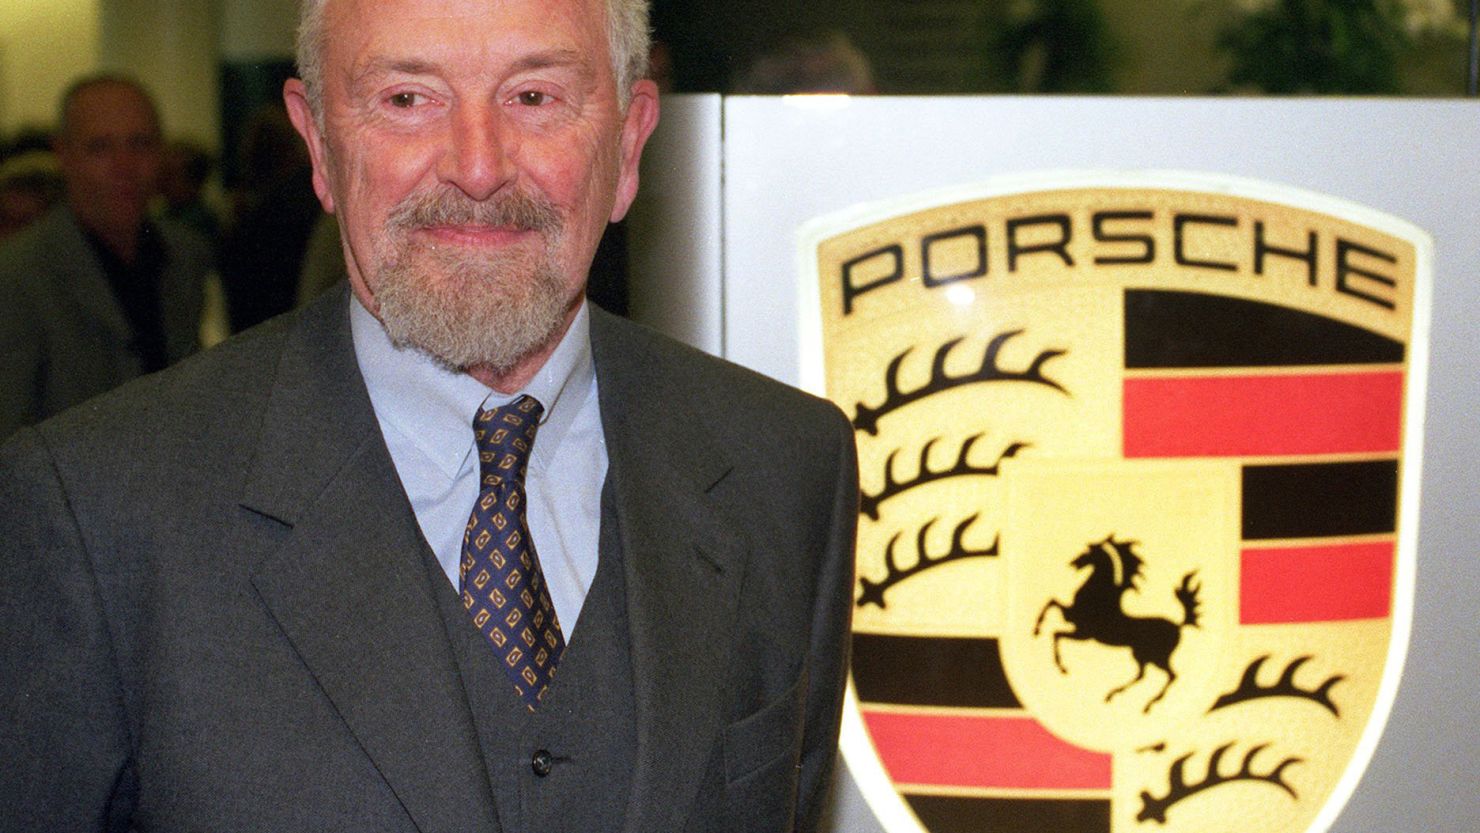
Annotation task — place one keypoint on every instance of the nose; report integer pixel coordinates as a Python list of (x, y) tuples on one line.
[(478, 156)]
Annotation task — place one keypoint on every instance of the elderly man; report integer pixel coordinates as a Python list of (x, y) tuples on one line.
[(95, 293), (452, 550)]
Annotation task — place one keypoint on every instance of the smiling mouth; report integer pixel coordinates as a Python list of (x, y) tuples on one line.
[(475, 234)]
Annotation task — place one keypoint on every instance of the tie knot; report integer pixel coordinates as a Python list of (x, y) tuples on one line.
[(505, 435)]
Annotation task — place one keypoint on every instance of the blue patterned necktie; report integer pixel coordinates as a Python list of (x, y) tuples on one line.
[(500, 579)]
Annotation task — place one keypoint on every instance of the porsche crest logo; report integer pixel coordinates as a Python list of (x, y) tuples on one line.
[(1139, 464)]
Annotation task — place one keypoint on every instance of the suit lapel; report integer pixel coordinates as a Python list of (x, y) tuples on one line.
[(84, 280), (683, 571), (348, 587)]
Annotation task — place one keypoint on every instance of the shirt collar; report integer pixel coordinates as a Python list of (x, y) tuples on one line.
[(433, 407)]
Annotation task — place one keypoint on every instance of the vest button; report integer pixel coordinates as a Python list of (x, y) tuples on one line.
[(542, 762)]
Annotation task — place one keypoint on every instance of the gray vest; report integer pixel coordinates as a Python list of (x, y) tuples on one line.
[(567, 767)]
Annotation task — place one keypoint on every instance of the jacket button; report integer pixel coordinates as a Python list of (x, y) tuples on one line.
[(542, 762)]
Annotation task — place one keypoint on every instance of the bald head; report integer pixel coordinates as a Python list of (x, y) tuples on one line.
[(107, 86)]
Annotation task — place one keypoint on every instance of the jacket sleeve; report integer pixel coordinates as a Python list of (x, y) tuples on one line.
[(63, 740), (828, 659)]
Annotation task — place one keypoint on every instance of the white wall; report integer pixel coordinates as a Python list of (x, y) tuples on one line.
[(257, 29), (43, 45), (171, 47)]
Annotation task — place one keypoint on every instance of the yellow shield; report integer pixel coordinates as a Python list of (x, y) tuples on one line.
[(1139, 473)]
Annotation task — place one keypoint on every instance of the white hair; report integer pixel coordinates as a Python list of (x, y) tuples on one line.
[(626, 28)]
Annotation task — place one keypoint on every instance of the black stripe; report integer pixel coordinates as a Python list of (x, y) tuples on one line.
[(921, 671), (943, 814), (1320, 499), (1188, 329)]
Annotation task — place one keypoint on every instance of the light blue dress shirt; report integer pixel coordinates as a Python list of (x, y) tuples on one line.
[(426, 416)]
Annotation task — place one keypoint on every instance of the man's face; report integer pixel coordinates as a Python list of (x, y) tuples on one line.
[(474, 153), (109, 151)]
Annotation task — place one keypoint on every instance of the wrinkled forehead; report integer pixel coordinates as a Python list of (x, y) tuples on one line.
[(451, 33)]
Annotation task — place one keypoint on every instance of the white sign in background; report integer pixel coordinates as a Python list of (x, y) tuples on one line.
[(729, 182)]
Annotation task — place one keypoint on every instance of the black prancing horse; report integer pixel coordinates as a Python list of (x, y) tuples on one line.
[(1096, 613)]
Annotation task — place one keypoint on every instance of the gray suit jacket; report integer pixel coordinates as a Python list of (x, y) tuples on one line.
[(218, 616), (63, 335)]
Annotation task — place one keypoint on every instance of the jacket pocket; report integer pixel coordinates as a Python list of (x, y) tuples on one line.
[(761, 752)]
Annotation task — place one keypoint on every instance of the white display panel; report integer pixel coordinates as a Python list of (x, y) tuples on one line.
[(678, 224), (788, 161)]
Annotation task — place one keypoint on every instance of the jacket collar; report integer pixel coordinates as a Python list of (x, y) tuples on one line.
[(347, 582), (82, 273), (684, 564)]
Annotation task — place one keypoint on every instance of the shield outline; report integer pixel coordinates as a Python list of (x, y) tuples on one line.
[(884, 801)]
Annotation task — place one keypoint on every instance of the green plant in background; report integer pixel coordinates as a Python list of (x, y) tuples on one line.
[(1327, 46), (1050, 46)]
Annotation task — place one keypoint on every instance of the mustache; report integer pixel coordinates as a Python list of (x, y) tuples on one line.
[(451, 207)]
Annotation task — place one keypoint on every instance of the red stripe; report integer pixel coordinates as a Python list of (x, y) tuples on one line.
[(1004, 752), (1316, 584), (1233, 416)]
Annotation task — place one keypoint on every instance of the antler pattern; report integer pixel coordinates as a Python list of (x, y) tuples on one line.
[(869, 503), (873, 591), (1155, 808), (1249, 687), (867, 418)]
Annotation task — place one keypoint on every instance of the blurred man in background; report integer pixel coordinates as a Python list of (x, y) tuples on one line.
[(95, 292)]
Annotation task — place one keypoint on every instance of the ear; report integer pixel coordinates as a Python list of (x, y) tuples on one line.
[(642, 117), (295, 96)]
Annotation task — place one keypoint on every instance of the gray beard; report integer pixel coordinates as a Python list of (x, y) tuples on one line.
[(468, 311)]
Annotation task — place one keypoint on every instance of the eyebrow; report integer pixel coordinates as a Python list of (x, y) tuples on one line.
[(381, 66), (551, 58)]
